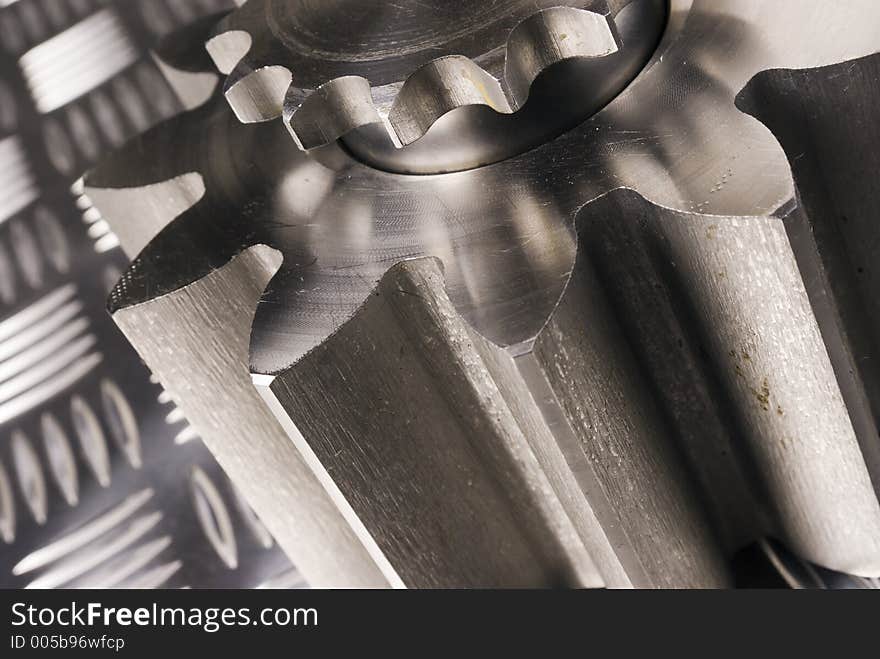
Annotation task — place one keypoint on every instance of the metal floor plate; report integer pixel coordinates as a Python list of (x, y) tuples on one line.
[(102, 481)]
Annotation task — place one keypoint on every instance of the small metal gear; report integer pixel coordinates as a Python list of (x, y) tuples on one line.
[(432, 86)]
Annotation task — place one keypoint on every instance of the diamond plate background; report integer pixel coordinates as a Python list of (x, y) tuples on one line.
[(102, 482)]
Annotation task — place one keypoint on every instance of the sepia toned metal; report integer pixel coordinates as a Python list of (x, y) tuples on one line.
[(613, 358)]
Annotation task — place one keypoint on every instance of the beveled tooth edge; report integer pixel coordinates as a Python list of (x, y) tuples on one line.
[(331, 111), (259, 95), (439, 87), (227, 49), (552, 36)]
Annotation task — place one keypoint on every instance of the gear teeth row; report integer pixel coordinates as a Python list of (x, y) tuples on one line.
[(320, 116), (447, 83)]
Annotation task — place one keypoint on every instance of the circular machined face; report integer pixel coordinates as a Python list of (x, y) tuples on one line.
[(375, 29), (387, 41)]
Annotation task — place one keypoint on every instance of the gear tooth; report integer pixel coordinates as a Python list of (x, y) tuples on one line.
[(233, 37), (184, 48), (137, 215), (152, 273), (407, 343), (135, 189), (192, 88), (203, 345), (330, 112), (440, 86), (552, 36), (718, 310), (257, 95), (833, 232), (228, 48), (276, 335)]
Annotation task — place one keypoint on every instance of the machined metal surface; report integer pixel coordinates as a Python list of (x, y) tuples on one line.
[(613, 359), (103, 482)]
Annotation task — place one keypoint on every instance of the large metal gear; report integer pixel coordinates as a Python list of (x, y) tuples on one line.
[(612, 358)]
